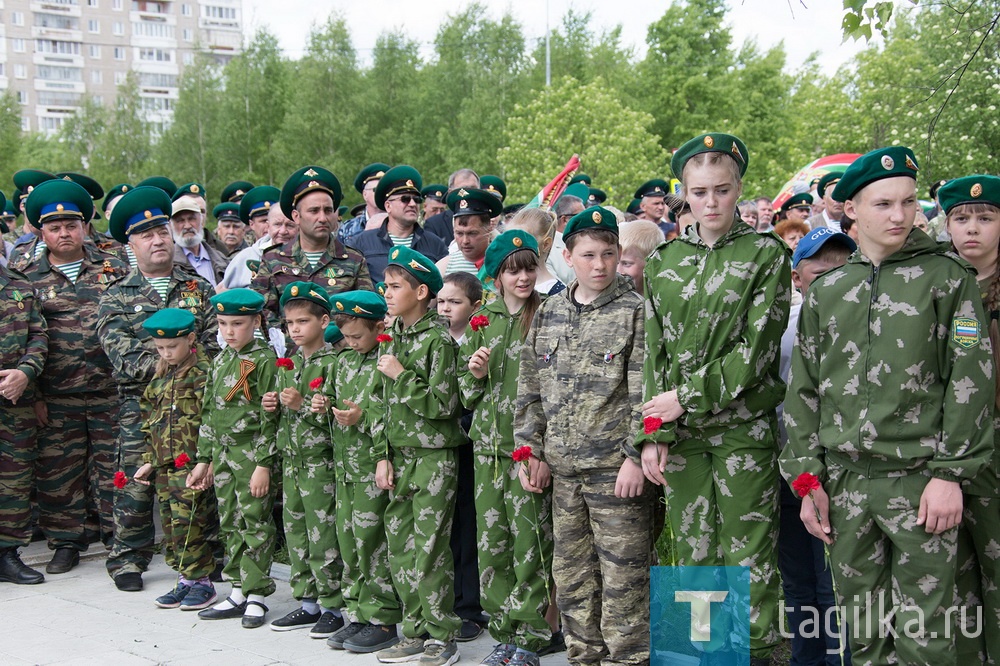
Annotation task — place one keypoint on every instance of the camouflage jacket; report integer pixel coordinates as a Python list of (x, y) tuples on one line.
[(423, 409), (128, 302), (23, 338), (231, 415), (714, 321), (76, 362), (356, 378), (303, 436), (171, 413), (892, 370), (579, 389), (23, 251)]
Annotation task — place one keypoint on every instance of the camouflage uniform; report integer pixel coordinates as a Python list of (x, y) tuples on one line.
[(171, 416), (514, 526), (236, 438), (23, 252), (124, 306), (23, 345), (579, 400), (76, 450), (885, 394), (422, 428)]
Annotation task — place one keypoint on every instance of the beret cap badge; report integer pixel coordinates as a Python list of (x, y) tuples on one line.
[(596, 216), (517, 242), (709, 142), (910, 164), (340, 306), (295, 291), (976, 191), (311, 172), (221, 307), (887, 163)]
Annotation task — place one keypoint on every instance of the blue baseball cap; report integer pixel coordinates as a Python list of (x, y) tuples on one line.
[(816, 239)]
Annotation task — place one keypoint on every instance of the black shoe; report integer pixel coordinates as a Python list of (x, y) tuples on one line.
[(13, 570), (297, 619), (336, 641), (372, 638), (63, 561), (237, 610), (470, 631), (557, 644), (254, 621), (129, 582), (327, 625), (216, 575)]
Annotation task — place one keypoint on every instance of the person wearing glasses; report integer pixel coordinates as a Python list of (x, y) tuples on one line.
[(365, 183), (473, 211)]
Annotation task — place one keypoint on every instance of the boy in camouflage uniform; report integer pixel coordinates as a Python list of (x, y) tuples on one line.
[(578, 397), (890, 404)]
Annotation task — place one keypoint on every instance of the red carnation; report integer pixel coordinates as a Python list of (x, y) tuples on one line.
[(805, 483), (651, 424), (521, 454), (285, 363), (181, 460), (383, 337), (479, 322), (120, 479), (316, 383)]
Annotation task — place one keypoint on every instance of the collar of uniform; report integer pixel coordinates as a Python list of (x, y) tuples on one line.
[(739, 228), (383, 233), (425, 323), (621, 285), (916, 243)]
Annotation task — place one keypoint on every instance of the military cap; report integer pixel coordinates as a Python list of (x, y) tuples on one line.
[(513, 208), (235, 191), (494, 185), (58, 199), (892, 162), (28, 179), (93, 188), (595, 217), (597, 197), (817, 238), (970, 190), (581, 178), (137, 210), (237, 302), (800, 200), (504, 245), (332, 334), (358, 209), (170, 323), (305, 180), (633, 207), (435, 192), (714, 142), (829, 180), (305, 291), (651, 188), (472, 201), (370, 172), (935, 187), (16, 198), (417, 265), (227, 211), (813, 183), (398, 179), (380, 288), (162, 182), (258, 201), (113, 194), (8, 208), (360, 303), (343, 211), (194, 189)]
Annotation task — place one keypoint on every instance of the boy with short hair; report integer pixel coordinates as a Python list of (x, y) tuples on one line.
[(638, 239), (578, 398)]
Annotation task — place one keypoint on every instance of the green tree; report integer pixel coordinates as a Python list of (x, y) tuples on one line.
[(391, 104), (10, 137), (125, 150)]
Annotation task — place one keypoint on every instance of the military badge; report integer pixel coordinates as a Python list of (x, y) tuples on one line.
[(709, 142), (965, 332), (887, 163), (19, 299), (517, 242), (340, 306), (596, 217), (910, 164), (221, 307), (976, 191)]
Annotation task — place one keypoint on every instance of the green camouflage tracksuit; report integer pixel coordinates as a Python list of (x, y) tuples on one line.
[(369, 595), (714, 321), (309, 484), (124, 306), (422, 428), (23, 346), (76, 451), (236, 437), (579, 405), (171, 417), (514, 526), (891, 385)]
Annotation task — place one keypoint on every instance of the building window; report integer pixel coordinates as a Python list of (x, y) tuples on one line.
[(94, 26), (119, 28), (99, 99), (212, 11), (17, 18), (188, 35), (51, 124), (18, 45), (20, 71), (96, 76), (57, 47), (3, 69), (120, 78), (156, 55), (53, 73), (22, 97), (25, 124), (185, 10), (116, 5), (119, 53), (95, 51), (188, 58), (92, 3), (149, 29)]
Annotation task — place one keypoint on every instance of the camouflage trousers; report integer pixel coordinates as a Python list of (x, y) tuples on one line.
[(722, 503), (515, 553), (601, 568), (309, 515), (188, 516), (132, 546), (418, 530), (245, 521), (18, 450), (978, 575), (884, 562)]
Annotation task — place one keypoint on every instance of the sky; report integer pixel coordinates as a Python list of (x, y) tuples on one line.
[(805, 26)]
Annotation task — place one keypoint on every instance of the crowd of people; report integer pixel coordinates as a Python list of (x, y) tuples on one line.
[(481, 416)]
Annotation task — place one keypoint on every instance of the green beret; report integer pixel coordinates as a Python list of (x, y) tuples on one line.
[(594, 217), (380, 288), (370, 172), (398, 179), (137, 210), (800, 200), (652, 188), (258, 201), (113, 194), (305, 291), (435, 192), (581, 178), (332, 334), (891, 162), (470, 201), (8, 208), (578, 190), (161, 182), (237, 302), (93, 188), (969, 190), (196, 189), (826, 181), (597, 197), (633, 207), (305, 180), (714, 142), (361, 303), (417, 265), (56, 200), (170, 323), (494, 185), (342, 211), (504, 245), (227, 211), (235, 191), (935, 187), (28, 179)]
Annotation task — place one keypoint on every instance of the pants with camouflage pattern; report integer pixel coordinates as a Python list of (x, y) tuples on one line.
[(18, 450), (601, 568), (132, 547), (978, 573), (418, 530), (187, 517), (367, 581), (102, 426), (723, 502), (515, 553), (309, 495)]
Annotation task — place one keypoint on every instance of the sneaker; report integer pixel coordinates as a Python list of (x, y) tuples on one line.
[(439, 653), (523, 657), (557, 644), (372, 638), (500, 656), (297, 619), (328, 623), (200, 596), (336, 641), (470, 631), (174, 597), (408, 649)]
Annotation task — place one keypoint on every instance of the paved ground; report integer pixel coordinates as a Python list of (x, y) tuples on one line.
[(80, 618)]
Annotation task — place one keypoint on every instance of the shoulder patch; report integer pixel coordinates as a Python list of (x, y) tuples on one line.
[(965, 332)]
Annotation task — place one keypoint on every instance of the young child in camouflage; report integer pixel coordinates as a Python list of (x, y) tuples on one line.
[(579, 390), (717, 305), (171, 415), (236, 450), (308, 480), (420, 466), (514, 526)]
